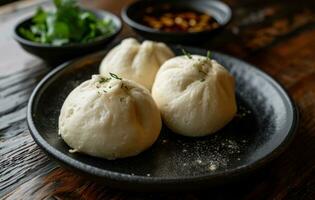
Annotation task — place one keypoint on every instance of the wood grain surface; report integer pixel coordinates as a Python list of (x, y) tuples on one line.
[(278, 36)]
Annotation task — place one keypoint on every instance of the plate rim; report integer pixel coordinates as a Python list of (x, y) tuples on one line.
[(117, 176)]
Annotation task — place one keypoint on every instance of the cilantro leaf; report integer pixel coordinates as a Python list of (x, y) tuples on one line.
[(66, 24)]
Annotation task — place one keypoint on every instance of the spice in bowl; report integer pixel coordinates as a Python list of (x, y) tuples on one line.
[(179, 20)]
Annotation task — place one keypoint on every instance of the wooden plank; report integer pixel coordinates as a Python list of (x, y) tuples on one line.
[(277, 36)]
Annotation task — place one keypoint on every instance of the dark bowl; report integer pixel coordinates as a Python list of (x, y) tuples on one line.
[(133, 13), (54, 55)]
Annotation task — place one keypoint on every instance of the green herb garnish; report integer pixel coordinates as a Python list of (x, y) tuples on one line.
[(104, 80), (209, 55), (186, 54), (115, 76), (66, 24)]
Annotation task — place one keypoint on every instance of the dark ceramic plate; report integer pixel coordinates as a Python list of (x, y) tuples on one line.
[(264, 126)]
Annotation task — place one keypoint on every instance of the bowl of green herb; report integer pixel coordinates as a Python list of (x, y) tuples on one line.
[(66, 32)]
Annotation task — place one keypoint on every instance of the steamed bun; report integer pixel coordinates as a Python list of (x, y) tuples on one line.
[(135, 61), (196, 96), (109, 117)]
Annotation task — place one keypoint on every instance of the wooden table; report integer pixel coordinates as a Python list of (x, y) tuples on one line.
[(278, 36)]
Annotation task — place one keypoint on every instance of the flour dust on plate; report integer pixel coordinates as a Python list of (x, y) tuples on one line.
[(263, 127)]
